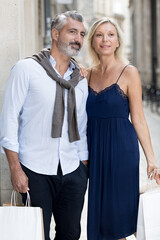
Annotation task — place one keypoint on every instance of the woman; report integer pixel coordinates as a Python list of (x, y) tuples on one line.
[(114, 92)]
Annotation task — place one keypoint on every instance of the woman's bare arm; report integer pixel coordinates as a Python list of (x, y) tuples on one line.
[(137, 116)]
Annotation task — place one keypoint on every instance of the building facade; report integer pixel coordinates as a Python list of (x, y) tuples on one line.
[(118, 10), (92, 10), (145, 51)]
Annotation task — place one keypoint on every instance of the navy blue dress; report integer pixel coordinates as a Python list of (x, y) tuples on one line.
[(114, 165)]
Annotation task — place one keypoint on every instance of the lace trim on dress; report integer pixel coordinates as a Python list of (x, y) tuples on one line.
[(102, 91), (121, 92)]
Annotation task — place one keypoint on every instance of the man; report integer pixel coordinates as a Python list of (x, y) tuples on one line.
[(47, 148)]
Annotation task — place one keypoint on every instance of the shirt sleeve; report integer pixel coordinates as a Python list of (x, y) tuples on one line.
[(82, 125), (14, 97)]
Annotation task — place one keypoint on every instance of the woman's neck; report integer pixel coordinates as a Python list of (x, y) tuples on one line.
[(107, 63)]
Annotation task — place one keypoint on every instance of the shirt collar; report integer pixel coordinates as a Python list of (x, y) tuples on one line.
[(69, 71)]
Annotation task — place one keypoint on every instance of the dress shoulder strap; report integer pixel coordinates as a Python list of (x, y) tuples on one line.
[(90, 77), (121, 72)]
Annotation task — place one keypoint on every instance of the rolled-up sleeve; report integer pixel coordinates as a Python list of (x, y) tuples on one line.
[(14, 97), (82, 125)]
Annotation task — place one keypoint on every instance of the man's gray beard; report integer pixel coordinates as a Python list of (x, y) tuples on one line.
[(67, 49)]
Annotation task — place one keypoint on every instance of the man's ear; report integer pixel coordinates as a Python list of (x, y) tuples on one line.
[(55, 34)]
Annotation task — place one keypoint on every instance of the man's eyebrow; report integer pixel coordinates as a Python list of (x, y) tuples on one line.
[(75, 29)]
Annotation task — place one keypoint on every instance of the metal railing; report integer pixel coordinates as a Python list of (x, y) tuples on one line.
[(151, 98)]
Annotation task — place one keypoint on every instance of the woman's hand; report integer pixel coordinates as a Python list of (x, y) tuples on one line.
[(156, 175), (154, 172), (150, 168), (83, 71)]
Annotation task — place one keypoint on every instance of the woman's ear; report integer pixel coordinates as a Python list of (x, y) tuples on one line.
[(118, 44), (55, 34)]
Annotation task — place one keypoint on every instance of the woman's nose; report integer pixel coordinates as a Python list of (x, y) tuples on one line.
[(105, 38)]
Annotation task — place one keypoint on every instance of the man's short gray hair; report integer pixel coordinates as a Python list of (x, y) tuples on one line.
[(60, 20)]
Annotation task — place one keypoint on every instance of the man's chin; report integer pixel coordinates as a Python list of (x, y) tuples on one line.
[(74, 53)]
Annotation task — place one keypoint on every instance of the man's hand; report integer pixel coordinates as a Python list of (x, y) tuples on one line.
[(83, 71), (85, 162), (18, 177), (19, 180)]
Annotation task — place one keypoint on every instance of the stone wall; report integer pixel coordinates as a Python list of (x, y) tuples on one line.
[(141, 37), (21, 34)]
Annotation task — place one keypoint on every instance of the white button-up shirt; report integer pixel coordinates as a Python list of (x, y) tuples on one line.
[(26, 119)]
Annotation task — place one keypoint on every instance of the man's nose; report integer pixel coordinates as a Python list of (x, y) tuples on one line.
[(78, 38)]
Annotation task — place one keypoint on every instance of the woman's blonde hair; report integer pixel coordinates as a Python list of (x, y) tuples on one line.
[(119, 53)]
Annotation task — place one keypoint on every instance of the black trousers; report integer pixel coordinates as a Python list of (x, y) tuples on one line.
[(62, 196)]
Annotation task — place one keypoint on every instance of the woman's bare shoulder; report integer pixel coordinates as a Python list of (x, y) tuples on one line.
[(130, 70), (131, 73)]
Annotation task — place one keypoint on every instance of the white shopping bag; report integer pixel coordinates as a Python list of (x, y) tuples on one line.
[(148, 225), (21, 223)]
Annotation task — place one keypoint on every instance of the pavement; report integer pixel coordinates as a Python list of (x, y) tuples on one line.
[(153, 121)]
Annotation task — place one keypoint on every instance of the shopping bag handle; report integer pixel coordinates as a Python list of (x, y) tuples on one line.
[(14, 199)]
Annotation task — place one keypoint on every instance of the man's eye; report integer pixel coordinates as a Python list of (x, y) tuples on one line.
[(82, 34), (72, 31)]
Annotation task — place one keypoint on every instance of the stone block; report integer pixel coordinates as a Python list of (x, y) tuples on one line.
[(5, 175), (5, 195)]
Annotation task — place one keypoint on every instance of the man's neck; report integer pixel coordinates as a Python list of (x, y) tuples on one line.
[(62, 61)]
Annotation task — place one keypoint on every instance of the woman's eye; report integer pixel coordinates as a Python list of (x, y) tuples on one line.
[(98, 35)]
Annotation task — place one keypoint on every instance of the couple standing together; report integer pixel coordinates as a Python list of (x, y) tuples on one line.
[(44, 131)]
